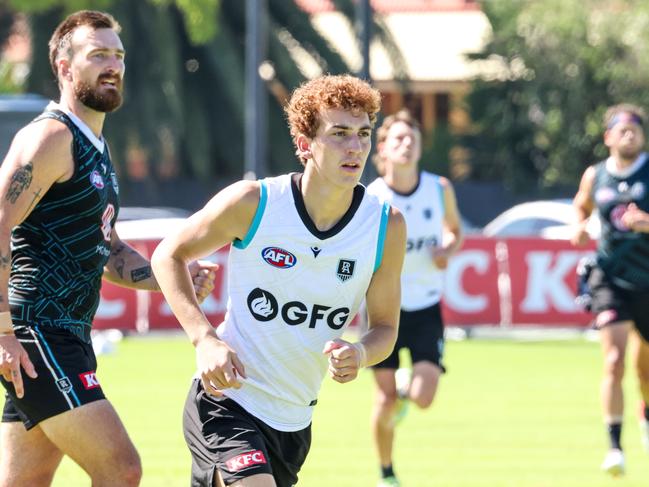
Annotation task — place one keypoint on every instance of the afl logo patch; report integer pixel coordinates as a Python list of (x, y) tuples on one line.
[(605, 195), (278, 257), (96, 180)]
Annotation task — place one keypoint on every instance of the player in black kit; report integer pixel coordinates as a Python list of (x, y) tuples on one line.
[(618, 188), (58, 207)]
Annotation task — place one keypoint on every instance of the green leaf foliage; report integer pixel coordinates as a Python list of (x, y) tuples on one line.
[(538, 124), (183, 114)]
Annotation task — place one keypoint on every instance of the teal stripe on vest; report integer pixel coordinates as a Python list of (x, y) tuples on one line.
[(380, 244), (263, 197)]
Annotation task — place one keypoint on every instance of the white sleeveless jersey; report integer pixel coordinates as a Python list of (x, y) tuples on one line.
[(292, 288), (423, 209)]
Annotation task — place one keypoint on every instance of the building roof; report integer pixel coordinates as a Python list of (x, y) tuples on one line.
[(434, 46)]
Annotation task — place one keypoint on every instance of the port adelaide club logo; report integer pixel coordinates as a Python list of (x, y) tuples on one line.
[(262, 305), (345, 269)]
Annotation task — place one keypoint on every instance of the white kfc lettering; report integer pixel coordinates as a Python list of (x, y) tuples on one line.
[(546, 285), (245, 460), (89, 380), (454, 295)]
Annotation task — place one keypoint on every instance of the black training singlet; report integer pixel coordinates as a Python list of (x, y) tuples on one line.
[(59, 251), (622, 254)]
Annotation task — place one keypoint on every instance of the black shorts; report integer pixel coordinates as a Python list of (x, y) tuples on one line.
[(223, 436), (612, 304), (421, 332), (66, 377)]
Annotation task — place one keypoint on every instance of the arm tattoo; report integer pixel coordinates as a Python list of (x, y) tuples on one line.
[(119, 267), (21, 180), (141, 274), (121, 248), (118, 249), (37, 197)]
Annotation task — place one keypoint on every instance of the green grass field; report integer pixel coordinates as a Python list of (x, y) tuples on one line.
[(508, 414)]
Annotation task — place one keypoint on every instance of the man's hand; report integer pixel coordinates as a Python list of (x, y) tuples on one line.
[(218, 365), (345, 360), (203, 274), (635, 219), (441, 257), (12, 357), (580, 236)]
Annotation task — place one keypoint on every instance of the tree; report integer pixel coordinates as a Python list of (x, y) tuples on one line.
[(184, 91), (538, 124)]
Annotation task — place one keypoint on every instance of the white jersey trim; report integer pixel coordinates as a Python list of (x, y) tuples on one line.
[(100, 144)]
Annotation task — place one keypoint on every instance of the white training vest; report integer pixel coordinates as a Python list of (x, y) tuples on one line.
[(292, 289), (421, 282)]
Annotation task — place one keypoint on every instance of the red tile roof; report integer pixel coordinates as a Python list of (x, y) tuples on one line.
[(393, 6)]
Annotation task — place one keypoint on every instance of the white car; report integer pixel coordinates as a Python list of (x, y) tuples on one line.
[(140, 223), (545, 218)]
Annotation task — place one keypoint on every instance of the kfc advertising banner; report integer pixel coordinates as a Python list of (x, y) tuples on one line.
[(511, 282)]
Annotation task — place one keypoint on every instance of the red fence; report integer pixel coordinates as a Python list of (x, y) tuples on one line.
[(507, 282)]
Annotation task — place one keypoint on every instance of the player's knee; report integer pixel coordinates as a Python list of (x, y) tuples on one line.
[(384, 407), (132, 471), (386, 401), (128, 475), (132, 476), (126, 469), (614, 364), (424, 400)]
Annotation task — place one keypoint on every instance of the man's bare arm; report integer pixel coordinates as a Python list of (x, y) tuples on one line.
[(383, 297), (127, 267), (453, 235), (40, 155), (225, 218), (583, 204), (228, 216)]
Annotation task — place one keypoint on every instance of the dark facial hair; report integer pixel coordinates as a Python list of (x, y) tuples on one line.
[(90, 96)]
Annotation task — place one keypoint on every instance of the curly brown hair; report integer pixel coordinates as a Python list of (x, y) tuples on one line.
[(344, 92), (60, 40), (403, 116)]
